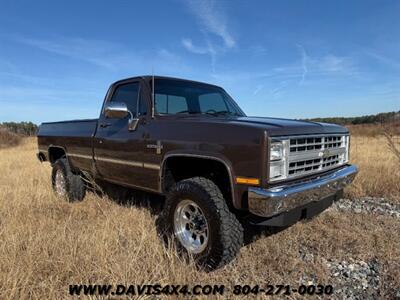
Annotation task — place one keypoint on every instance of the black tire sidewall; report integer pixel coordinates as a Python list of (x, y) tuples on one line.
[(196, 193), (60, 165), (75, 189)]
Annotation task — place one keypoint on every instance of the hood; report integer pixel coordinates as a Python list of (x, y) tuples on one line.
[(282, 127)]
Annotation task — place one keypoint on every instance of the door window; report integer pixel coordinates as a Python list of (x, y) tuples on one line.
[(127, 93)]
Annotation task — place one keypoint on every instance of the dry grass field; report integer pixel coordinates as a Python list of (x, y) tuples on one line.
[(9, 139), (47, 244), (379, 173)]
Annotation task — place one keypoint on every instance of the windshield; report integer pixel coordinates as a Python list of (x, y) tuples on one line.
[(183, 97)]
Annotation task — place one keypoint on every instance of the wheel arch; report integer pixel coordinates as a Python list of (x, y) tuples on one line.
[(56, 152), (199, 157)]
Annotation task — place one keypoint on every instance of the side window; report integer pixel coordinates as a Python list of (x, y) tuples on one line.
[(170, 104), (212, 101), (161, 103), (127, 93)]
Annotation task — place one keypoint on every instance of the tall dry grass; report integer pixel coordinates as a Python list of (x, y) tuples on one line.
[(9, 139), (379, 167), (374, 130), (47, 244)]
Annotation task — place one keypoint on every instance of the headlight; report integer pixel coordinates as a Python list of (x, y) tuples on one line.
[(277, 170), (278, 160), (276, 152)]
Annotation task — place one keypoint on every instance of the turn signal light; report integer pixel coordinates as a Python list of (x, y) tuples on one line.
[(244, 180)]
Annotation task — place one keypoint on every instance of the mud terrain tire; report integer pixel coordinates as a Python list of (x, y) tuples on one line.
[(225, 233), (65, 183)]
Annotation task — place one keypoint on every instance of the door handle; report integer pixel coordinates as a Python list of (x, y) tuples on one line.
[(104, 125)]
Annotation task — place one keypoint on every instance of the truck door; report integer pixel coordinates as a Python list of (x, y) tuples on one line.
[(118, 151)]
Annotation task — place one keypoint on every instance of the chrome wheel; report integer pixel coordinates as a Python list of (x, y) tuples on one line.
[(190, 226), (60, 183)]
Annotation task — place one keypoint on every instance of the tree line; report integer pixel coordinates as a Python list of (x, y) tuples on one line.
[(22, 128), (381, 118), (30, 129)]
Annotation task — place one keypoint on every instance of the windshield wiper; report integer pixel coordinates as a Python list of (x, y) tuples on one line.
[(224, 113), (211, 113)]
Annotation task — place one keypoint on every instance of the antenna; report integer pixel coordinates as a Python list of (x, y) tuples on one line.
[(152, 93)]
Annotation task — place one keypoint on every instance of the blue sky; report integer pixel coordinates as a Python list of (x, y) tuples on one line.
[(293, 59)]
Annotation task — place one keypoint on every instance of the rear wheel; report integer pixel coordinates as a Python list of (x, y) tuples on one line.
[(198, 219), (65, 183)]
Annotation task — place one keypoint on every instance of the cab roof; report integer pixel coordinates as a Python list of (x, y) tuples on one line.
[(148, 78)]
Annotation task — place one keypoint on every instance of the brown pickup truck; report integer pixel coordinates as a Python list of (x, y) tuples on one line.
[(192, 143)]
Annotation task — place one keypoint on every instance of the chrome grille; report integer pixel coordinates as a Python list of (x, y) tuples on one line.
[(315, 143), (312, 154), (304, 166)]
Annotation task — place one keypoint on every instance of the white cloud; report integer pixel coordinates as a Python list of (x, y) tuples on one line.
[(333, 63), (258, 89), (321, 67), (383, 59), (97, 52), (111, 56), (212, 20), (188, 44), (258, 50), (209, 50), (167, 55), (280, 90), (304, 59)]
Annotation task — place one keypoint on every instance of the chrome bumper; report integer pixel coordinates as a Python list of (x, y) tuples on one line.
[(273, 201)]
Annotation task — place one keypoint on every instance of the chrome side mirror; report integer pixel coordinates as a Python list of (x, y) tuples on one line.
[(133, 124), (116, 110), (119, 110)]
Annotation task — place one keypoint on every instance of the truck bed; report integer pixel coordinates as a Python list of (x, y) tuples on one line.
[(75, 137)]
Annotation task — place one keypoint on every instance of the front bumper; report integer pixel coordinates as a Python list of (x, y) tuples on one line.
[(276, 200)]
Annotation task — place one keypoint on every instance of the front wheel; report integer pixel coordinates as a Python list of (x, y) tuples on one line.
[(197, 217)]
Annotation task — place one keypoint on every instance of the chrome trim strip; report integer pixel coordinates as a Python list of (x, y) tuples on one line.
[(276, 200), (285, 137), (79, 155), (151, 166), (137, 164), (120, 161)]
